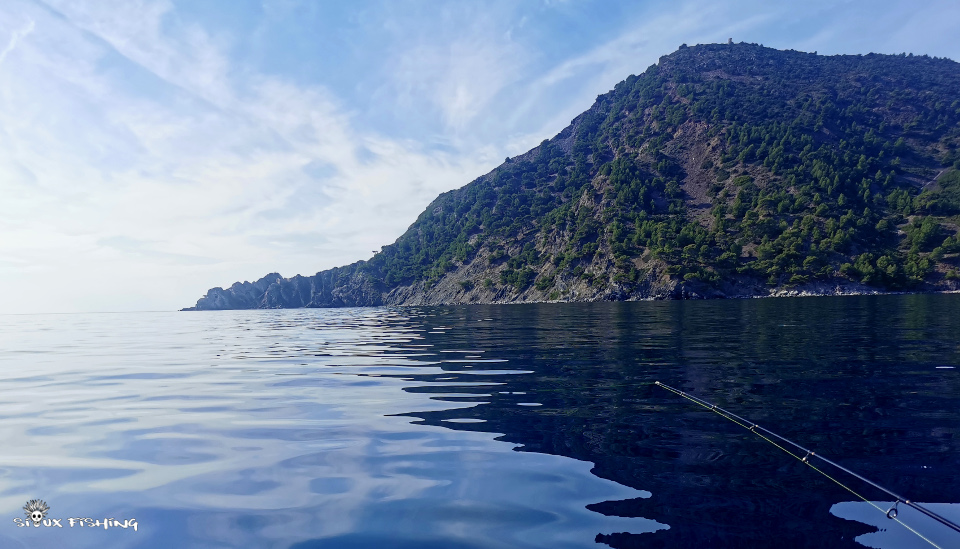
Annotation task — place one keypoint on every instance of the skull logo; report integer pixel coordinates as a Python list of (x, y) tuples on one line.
[(36, 509)]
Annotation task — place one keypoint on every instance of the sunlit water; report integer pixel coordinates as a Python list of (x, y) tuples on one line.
[(482, 426)]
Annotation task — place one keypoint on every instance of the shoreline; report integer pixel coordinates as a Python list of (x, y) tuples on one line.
[(776, 294)]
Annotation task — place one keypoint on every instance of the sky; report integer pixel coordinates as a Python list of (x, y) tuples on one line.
[(152, 149)]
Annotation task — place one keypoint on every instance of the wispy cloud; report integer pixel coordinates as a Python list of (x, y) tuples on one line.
[(17, 36), (142, 126), (460, 78), (454, 68)]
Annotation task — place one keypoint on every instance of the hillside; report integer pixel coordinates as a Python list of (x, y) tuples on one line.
[(722, 171)]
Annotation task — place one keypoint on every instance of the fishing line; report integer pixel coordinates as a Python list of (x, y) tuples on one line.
[(756, 429)]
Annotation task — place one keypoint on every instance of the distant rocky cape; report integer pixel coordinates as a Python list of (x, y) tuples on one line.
[(725, 170)]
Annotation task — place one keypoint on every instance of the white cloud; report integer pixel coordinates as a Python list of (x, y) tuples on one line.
[(142, 195), (15, 37), (456, 69)]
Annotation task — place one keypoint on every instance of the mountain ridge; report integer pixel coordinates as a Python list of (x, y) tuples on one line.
[(725, 170)]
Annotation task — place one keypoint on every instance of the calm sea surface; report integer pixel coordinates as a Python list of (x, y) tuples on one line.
[(480, 426)]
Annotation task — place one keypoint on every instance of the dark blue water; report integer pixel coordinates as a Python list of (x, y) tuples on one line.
[(480, 426)]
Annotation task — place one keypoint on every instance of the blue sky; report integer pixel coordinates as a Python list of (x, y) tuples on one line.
[(151, 149)]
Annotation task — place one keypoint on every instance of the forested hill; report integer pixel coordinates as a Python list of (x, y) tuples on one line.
[(723, 170)]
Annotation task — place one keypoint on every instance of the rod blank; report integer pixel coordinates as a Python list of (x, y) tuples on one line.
[(810, 453)]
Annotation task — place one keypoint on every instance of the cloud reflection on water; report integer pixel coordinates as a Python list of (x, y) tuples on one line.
[(271, 429)]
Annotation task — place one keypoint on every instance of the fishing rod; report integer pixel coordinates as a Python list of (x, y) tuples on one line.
[(759, 431)]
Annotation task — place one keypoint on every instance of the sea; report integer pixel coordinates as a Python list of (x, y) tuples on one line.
[(483, 426)]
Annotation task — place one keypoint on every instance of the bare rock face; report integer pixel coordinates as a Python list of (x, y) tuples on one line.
[(241, 295)]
